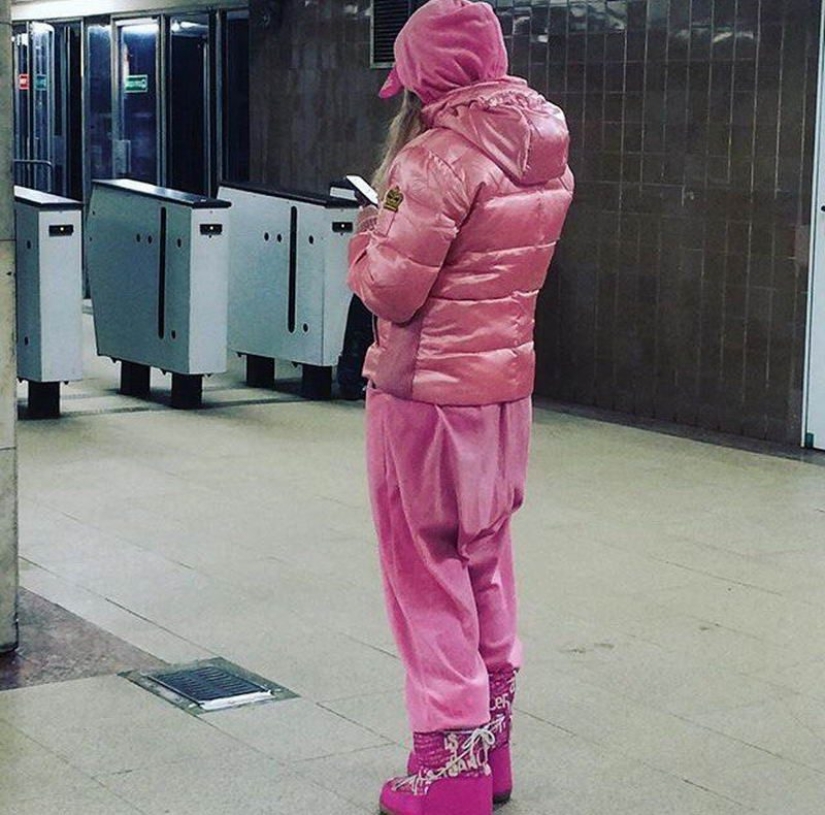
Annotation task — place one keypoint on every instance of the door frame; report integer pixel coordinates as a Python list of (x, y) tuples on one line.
[(209, 98), (813, 400), (119, 21)]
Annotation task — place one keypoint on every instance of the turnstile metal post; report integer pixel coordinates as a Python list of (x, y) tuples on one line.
[(134, 379), (260, 371), (49, 298), (158, 266), (316, 382), (187, 391), (44, 400), (288, 297)]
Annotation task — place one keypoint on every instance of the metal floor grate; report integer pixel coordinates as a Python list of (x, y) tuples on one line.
[(213, 688), (210, 685)]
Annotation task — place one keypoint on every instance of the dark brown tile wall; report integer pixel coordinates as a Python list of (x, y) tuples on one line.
[(315, 114), (679, 289)]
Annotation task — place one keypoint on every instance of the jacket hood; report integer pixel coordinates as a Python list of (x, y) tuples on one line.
[(447, 44), (512, 124)]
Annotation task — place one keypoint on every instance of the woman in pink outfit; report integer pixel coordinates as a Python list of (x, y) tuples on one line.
[(475, 189)]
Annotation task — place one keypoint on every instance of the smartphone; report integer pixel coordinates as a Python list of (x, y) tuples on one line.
[(363, 189)]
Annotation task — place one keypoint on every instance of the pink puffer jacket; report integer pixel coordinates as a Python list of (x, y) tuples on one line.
[(462, 244)]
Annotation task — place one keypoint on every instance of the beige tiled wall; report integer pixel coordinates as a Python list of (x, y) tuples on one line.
[(8, 395)]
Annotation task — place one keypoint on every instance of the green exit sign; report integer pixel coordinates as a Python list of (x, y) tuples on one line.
[(136, 83)]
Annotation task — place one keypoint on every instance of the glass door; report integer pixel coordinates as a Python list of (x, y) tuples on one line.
[(234, 79), (23, 171), (41, 88), (162, 99), (34, 106), (136, 148), (67, 121), (98, 99), (189, 105)]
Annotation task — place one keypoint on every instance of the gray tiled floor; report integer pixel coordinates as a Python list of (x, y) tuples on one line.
[(672, 603)]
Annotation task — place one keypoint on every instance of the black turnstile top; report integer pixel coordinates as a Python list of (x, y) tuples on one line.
[(164, 193), (326, 201), (44, 200)]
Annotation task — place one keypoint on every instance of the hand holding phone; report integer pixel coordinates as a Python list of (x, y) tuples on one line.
[(366, 194)]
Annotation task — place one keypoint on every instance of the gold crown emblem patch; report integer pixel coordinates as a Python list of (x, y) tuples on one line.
[(393, 199)]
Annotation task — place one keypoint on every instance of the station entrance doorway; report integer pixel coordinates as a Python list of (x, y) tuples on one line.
[(48, 131), (161, 98)]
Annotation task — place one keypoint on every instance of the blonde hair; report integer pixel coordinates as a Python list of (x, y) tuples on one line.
[(406, 125)]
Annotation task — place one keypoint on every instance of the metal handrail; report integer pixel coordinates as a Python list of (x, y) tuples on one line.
[(39, 162)]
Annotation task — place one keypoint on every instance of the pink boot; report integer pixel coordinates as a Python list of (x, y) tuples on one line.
[(502, 693), (453, 777)]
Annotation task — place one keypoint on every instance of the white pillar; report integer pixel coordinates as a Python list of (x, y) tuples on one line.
[(8, 381), (814, 402)]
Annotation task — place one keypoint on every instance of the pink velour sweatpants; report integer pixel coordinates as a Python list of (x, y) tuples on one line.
[(444, 482)]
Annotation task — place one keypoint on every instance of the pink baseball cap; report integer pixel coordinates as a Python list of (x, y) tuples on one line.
[(447, 44)]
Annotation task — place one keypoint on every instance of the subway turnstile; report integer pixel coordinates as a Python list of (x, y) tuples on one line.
[(157, 261), (288, 297), (49, 296)]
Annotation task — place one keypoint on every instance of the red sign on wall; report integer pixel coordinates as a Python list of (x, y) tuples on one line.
[(23, 82)]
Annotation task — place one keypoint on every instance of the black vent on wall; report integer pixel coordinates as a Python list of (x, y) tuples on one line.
[(388, 18)]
